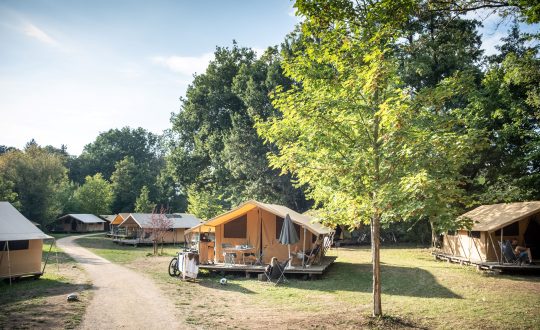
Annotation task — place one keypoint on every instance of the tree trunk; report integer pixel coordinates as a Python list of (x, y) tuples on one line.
[(433, 235), (376, 260)]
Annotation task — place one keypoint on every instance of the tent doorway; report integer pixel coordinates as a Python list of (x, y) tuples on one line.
[(531, 237)]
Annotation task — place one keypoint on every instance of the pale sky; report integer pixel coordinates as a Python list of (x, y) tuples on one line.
[(72, 69)]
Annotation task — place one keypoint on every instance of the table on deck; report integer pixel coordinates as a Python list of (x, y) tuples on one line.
[(237, 249)]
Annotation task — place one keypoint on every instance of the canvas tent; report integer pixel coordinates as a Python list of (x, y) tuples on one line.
[(258, 225), (80, 223), (21, 244), (118, 219), (493, 224), (139, 226)]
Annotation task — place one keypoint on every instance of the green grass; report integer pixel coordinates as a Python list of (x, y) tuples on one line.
[(417, 291), (121, 254)]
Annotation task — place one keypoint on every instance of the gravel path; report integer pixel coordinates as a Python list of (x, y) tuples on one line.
[(122, 298)]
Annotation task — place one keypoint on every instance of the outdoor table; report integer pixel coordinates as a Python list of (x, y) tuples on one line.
[(238, 249)]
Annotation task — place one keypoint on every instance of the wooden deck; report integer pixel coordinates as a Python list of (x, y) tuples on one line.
[(249, 269), (134, 241), (489, 265)]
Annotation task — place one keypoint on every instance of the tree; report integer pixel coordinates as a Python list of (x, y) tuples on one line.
[(95, 196), (350, 128), (216, 146), (160, 224), (204, 204), (143, 203), (7, 194), (113, 146), (507, 107), (37, 177), (127, 180)]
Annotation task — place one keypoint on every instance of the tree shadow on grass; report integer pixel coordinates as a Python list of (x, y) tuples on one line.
[(400, 281), (30, 288)]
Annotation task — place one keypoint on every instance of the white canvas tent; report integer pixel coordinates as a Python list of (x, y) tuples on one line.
[(21, 244)]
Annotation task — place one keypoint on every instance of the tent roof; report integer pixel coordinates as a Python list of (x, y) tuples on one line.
[(496, 216), (304, 220), (179, 220), (119, 218), (14, 226), (85, 218), (107, 217)]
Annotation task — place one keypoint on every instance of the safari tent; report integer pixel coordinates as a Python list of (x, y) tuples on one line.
[(21, 244), (118, 219), (80, 223), (139, 227), (257, 225), (493, 224)]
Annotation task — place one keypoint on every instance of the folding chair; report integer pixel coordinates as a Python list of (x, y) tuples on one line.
[(276, 273), (508, 254)]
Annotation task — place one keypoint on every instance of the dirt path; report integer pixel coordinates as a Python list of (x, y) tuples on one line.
[(122, 297)]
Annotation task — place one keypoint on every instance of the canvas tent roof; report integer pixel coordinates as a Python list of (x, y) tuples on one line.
[(108, 217), (85, 218), (14, 226), (494, 217), (119, 218), (302, 219), (179, 220)]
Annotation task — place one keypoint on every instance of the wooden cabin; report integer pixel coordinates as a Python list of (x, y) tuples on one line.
[(108, 219), (80, 223), (139, 227), (493, 224), (256, 225), (21, 244)]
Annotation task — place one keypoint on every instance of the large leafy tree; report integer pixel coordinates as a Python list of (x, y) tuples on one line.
[(143, 203), (216, 149), (127, 181), (37, 177), (507, 106), (95, 196), (350, 128), (113, 146)]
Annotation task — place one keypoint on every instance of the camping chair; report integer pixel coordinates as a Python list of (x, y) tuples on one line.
[(312, 255), (276, 274), (508, 254)]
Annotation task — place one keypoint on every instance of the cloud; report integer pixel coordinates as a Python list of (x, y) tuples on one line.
[(33, 31), (185, 65)]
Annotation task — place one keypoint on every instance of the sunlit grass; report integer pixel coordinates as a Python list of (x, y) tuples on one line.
[(416, 288)]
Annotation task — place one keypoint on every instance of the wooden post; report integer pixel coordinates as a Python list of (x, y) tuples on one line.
[(376, 260), (304, 250)]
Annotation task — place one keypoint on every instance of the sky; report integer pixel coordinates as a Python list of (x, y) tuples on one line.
[(72, 69)]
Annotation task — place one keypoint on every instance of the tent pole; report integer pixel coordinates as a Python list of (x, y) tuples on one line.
[(9, 262), (47, 258), (493, 246), (502, 232), (476, 247), (304, 250)]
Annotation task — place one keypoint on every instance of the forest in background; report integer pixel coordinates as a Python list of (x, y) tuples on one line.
[(214, 156)]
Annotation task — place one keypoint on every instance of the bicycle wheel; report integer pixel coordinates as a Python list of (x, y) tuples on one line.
[(173, 267)]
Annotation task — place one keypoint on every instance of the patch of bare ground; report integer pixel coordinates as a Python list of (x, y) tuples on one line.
[(42, 303)]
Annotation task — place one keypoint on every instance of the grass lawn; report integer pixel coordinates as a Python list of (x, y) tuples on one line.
[(418, 292), (30, 303)]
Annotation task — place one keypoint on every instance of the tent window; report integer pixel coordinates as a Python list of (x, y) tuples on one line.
[(14, 245), (279, 226), (475, 234), (236, 228), (510, 230)]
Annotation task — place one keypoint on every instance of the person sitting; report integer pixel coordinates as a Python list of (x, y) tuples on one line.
[(521, 251), (309, 255)]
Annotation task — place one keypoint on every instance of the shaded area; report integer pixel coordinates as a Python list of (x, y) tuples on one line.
[(29, 288)]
